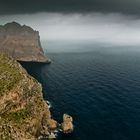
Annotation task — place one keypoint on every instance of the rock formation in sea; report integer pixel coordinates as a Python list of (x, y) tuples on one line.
[(21, 42), (67, 125)]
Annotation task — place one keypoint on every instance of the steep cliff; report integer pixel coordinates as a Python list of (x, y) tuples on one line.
[(24, 115), (21, 42)]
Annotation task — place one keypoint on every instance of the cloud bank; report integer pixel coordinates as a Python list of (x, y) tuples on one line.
[(112, 29), (69, 6)]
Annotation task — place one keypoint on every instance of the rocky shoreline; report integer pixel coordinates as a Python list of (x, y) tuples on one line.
[(24, 115), (65, 127)]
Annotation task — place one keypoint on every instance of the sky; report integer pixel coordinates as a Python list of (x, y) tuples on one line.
[(84, 6), (108, 22)]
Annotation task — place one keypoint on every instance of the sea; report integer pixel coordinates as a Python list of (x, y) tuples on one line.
[(99, 88)]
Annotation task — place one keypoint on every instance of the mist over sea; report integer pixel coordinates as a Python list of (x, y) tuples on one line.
[(99, 86)]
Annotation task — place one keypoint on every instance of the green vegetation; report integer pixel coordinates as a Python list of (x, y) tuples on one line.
[(9, 74), (22, 108), (17, 117)]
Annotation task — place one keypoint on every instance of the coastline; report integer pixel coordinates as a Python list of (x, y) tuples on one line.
[(22, 105), (36, 62)]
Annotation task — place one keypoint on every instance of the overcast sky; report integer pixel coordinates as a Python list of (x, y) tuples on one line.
[(111, 22), (32, 6)]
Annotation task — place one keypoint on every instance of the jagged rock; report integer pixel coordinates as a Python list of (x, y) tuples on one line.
[(44, 131), (22, 108), (21, 42), (52, 136), (67, 125), (52, 124)]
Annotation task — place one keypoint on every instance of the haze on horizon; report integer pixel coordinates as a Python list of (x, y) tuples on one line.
[(114, 23)]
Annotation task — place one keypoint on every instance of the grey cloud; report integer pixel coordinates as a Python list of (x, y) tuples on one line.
[(111, 29), (69, 6)]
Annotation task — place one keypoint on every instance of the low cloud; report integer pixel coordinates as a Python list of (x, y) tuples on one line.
[(114, 28)]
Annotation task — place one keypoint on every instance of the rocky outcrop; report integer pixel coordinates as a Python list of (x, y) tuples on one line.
[(21, 42), (24, 115), (67, 125)]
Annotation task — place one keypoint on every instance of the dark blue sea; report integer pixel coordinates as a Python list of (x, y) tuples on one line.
[(100, 89)]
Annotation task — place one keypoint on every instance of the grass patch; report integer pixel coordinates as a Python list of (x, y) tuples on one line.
[(9, 74), (17, 117)]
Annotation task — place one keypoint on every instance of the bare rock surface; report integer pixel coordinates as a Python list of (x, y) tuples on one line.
[(24, 115), (67, 125), (21, 42), (52, 124)]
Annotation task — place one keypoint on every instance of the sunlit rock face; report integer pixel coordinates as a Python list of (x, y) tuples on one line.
[(24, 115), (67, 125), (21, 42)]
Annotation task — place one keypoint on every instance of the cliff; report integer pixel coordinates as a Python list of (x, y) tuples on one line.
[(21, 42), (24, 115)]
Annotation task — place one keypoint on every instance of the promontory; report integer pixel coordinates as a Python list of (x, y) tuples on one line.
[(21, 42), (24, 114)]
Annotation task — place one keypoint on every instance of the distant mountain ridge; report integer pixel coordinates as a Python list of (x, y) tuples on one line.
[(21, 42)]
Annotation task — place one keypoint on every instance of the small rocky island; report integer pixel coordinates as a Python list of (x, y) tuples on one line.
[(21, 42), (24, 115)]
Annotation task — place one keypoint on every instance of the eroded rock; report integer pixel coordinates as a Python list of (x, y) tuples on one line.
[(67, 125), (23, 112), (51, 136), (52, 124), (21, 42)]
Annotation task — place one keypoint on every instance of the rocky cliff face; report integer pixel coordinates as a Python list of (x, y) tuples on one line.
[(21, 42), (24, 115)]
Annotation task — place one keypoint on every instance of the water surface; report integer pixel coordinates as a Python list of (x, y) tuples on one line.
[(100, 89)]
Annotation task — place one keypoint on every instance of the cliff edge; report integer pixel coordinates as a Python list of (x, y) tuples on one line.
[(24, 115), (21, 42)]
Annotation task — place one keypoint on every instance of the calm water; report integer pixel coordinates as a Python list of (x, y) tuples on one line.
[(100, 89)]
